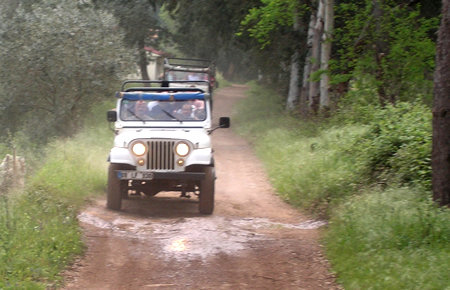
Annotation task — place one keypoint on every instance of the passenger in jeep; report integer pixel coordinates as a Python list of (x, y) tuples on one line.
[(164, 111), (141, 110), (186, 112)]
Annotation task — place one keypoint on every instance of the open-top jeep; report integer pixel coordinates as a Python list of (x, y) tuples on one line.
[(162, 142), (190, 69)]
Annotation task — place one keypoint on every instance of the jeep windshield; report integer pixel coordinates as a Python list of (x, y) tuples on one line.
[(186, 76), (140, 106)]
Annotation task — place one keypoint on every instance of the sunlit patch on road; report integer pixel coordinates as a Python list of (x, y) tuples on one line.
[(178, 245)]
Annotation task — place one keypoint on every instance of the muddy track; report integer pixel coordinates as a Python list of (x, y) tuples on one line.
[(252, 241)]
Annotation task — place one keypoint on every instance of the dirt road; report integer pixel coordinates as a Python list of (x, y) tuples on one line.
[(252, 241)]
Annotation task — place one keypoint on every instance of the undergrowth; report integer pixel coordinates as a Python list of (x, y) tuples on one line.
[(370, 176), (306, 163), (39, 236), (39, 232), (392, 239)]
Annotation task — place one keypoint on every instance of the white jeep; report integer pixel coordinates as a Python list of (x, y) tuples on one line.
[(162, 143)]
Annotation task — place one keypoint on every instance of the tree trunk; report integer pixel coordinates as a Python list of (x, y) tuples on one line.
[(315, 60), (325, 56), (304, 93), (293, 82), (229, 72), (381, 50), (143, 62), (441, 113)]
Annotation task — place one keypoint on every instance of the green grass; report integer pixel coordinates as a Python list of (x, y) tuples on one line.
[(39, 231), (393, 239), (75, 168), (380, 236), (310, 172), (39, 236)]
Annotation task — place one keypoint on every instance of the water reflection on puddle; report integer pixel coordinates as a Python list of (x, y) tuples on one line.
[(193, 238), (178, 245)]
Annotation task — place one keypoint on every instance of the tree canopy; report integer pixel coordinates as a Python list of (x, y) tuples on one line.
[(139, 19), (58, 58), (206, 29)]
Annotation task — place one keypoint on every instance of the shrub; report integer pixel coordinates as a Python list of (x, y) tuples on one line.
[(310, 172), (397, 146)]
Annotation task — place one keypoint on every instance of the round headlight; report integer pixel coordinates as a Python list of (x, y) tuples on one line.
[(182, 149), (139, 148)]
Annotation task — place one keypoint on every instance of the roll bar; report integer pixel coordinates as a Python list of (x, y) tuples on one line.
[(163, 85)]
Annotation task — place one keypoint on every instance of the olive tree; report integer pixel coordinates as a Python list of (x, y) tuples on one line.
[(57, 59)]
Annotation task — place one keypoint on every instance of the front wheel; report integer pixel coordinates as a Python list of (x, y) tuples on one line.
[(114, 192), (206, 205)]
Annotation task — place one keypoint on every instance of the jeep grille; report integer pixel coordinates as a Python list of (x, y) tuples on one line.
[(161, 155)]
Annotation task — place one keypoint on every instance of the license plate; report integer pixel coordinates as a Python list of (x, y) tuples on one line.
[(141, 175)]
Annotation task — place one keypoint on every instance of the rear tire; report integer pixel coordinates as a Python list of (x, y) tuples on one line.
[(114, 189), (206, 205)]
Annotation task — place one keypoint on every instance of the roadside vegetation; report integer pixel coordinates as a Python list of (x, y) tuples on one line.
[(370, 178), (39, 231), (384, 230)]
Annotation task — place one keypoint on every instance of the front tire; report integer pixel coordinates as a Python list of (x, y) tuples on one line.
[(206, 205), (114, 192)]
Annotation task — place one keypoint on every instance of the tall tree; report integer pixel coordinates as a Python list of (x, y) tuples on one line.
[(386, 46), (441, 113), (140, 20), (272, 19), (381, 49), (314, 85), (293, 94), (304, 92), (207, 29), (325, 55)]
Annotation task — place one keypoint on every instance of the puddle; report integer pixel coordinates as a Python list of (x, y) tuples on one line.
[(194, 238), (263, 223)]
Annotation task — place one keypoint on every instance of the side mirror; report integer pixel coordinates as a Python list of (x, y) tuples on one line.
[(111, 116), (224, 122)]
